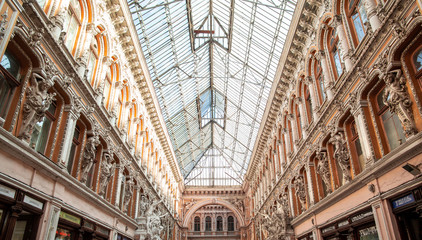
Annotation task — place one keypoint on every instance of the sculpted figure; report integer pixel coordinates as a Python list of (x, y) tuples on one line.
[(341, 154), (89, 156), (323, 169), (300, 191), (397, 99), (107, 171), (128, 192), (154, 226), (37, 101), (143, 206), (239, 204)]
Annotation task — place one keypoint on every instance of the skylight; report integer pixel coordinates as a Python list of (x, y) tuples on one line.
[(212, 63)]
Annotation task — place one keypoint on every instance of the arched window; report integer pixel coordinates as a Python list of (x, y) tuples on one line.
[(355, 147), (333, 47), (219, 223), (197, 224), (319, 81), (308, 103), (72, 23), (92, 59), (9, 80), (393, 129), (208, 223), (230, 223), (358, 19)]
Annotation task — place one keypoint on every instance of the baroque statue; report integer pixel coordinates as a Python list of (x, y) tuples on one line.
[(323, 169), (154, 224), (88, 159), (398, 100), (341, 154), (107, 171), (129, 187), (37, 102)]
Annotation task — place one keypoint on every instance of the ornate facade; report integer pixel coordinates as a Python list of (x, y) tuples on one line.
[(85, 152)]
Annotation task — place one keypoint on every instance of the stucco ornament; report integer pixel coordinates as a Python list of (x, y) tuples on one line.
[(300, 191), (341, 154), (37, 102), (129, 187), (397, 99), (107, 171), (239, 204), (275, 225), (323, 169), (88, 159), (154, 224)]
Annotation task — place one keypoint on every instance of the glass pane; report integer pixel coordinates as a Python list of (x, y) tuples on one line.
[(43, 137), (11, 64), (5, 95), (71, 158), (369, 233), (63, 234), (417, 60), (358, 26), (393, 129), (359, 152), (41, 3), (19, 231), (337, 62), (71, 32)]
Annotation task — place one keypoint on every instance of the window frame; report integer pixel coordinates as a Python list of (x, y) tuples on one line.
[(350, 12), (334, 50)]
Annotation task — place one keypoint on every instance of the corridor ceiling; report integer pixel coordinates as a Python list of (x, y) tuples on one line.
[(212, 64)]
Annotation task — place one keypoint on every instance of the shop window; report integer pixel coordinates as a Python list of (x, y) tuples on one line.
[(42, 129), (219, 223), (358, 17), (333, 47), (197, 224), (230, 223), (392, 128), (72, 23), (208, 223), (9, 80)]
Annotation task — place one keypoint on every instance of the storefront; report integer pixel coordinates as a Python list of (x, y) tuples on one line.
[(20, 213), (408, 211), (72, 227), (360, 226)]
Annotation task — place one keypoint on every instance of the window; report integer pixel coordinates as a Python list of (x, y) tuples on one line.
[(72, 23), (107, 88), (417, 61), (298, 121), (320, 82), (358, 17), (208, 223), (391, 124), (74, 149), (9, 75), (308, 104), (230, 223), (333, 46), (41, 130), (356, 147), (219, 223), (197, 224), (212, 106), (92, 61)]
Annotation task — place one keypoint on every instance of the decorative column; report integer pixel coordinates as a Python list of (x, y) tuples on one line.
[(54, 215), (303, 121), (119, 185), (310, 187), (73, 114), (371, 10), (276, 162), (344, 44), (138, 198), (363, 133), (327, 78), (287, 142), (281, 153), (291, 118)]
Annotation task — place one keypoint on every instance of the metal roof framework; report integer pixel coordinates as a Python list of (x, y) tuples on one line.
[(212, 63)]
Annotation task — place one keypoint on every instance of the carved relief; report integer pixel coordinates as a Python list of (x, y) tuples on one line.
[(88, 159), (323, 169), (398, 100), (37, 102), (129, 187), (341, 154), (107, 171)]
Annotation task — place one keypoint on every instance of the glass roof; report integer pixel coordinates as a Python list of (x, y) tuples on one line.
[(212, 64)]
